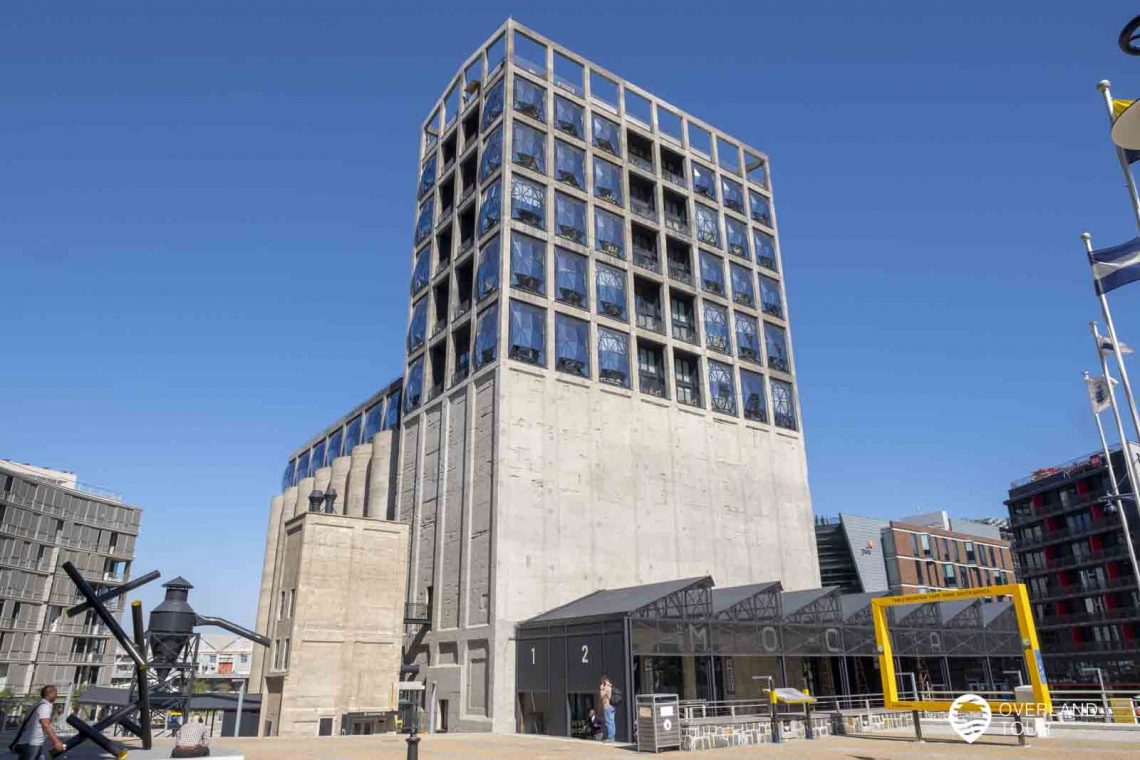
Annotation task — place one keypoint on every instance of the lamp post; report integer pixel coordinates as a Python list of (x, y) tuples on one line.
[(315, 499), (330, 499)]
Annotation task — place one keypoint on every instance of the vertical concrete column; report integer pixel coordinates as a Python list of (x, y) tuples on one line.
[(321, 480), (338, 481), (304, 488), (357, 491), (288, 502), (689, 676), (265, 593), (380, 480)]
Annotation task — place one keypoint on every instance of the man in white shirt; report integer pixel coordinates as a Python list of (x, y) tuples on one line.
[(192, 740), (37, 729)]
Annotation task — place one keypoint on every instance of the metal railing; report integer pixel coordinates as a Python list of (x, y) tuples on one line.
[(1079, 589), (649, 321), (674, 178), (643, 208), (645, 258), (1095, 525), (1067, 467), (641, 162), (1064, 620), (19, 625), (680, 272), (652, 385), (417, 613)]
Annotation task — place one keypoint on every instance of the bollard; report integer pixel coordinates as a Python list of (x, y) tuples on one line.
[(917, 726), (775, 723), (413, 744), (1019, 728)]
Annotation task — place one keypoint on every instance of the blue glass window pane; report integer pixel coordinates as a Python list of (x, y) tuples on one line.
[(613, 357), (421, 272), (528, 202), (303, 466), (712, 273), (570, 218), (487, 336), (570, 277), (783, 404), (572, 345), (417, 327), (373, 420), (492, 104), (770, 298), (607, 136), (608, 233), (756, 169), (704, 181), (392, 417), (747, 337), (776, 342), (528, 333), (352, 434), (530, 99), (490, 207), (765, 249), (568, 117), (569, 164), (742, 290), (733, 195), (716, 328), (607, 181), (529, 147), (487, 278), (761, 208), (336, 442), (318, 460), (752, 393), (414, 385), (708, 229), (737, 237), (427, 177), (424, 221), (287, 478), (528, 263), (722, 390), (610, 291), (492, 154)]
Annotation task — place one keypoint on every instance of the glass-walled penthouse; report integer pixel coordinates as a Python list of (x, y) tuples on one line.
[(570, 220)]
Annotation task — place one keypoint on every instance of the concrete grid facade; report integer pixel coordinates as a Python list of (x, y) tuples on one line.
[(593, 405)]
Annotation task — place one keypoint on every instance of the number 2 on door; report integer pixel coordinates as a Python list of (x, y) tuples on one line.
[(586, 654)]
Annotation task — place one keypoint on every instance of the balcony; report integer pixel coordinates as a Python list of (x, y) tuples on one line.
[(1095, 525), (1104, 616), (646, 258), (677, 223), (1056, 592), (673, 177), (648, 321), (681, 272), (645, 163), (417, 613), (1091, 558), (643, 208), (651, 384), (685, 332), (19, 625)]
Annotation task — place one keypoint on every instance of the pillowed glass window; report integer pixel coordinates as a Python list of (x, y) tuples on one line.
[(490, 207), (716, 328), (304, 469), (530, 99), (756, 169), (747, 337), (609, 237), (496, 54), (638, 108), (414, 385), (704, 181), (570, 218), (722, 388), (528, 333), (530, 54), (487, 276), (373, 419), (392, 414), (571, 345), (487, 336), (451, 106), (318, 456), (753, 395), (765, 249), (737, 237), (528, 263), (570, 164), (607, 181), (529, 147), (472, 78), (669, 123), (610, 291), (700, 140), (604, 90), (569, 74), (742, 291), (770, 297), (287, 477), (783, 404), (727, 155), (613, 357), (424, 221), (568, 117), (733, 194), (492, 154), (427, 177), (492, 104), (336, 445), (712, 273), (708, 228), (421, 270), (417, 327), (776, 341), (607, 135), (761, 208), (570, 278), (528, 202)]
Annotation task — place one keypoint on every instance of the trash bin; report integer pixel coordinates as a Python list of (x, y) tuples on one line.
[(658, 722)]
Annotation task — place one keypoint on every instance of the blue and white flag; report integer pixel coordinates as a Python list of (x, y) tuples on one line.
[(1100, 390), (1116, 266), (1105, 345)]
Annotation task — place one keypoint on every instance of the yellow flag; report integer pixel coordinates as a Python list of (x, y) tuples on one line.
[(1120, 106)]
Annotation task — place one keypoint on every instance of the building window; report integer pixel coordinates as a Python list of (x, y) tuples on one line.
[(722, 390), (492, 155), (712, 273), (528, 333), (487, 277), (716, 328), (490, 210), (303, 470), (487, 336), (607, 181), (414, 385), (755, 399), (608, 233), (708, 229), (650, 369), (287, 477), (352, 434), (570, 164), (424, 221), (742, 291), (570, 278), (568, 74), (373, 419), (686, 378), (784, 405), (756, 169), (747, 337), (610, 291), (733, 195), (421, 271), (604, 90), (770, 297), (704, 181), (683, 317), (613, 357), (427, 177), (765, 249), (570, 218), (530, 99), (572, 345), (737, 238), (528, 148), (607, 136), (647, 305), (417, 327), (761, 208), (776, 341), (528, 263), (392, 415), (492, 104), (568, 117), (530, 55), (528, 202)]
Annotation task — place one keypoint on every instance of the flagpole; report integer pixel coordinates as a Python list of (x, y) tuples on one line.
[(1104, 86)]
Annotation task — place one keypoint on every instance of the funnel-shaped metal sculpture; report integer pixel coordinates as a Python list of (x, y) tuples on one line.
[(171, 626)]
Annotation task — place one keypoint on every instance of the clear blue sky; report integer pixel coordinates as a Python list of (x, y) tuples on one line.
[(206, 215)]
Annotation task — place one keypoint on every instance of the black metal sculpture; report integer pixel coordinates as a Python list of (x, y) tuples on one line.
[(163, 682), (1129, 36)]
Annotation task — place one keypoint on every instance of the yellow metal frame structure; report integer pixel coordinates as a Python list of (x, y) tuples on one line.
[(1042, 702)]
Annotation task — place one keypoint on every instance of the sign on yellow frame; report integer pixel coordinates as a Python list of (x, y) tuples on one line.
[(1043, 703)]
